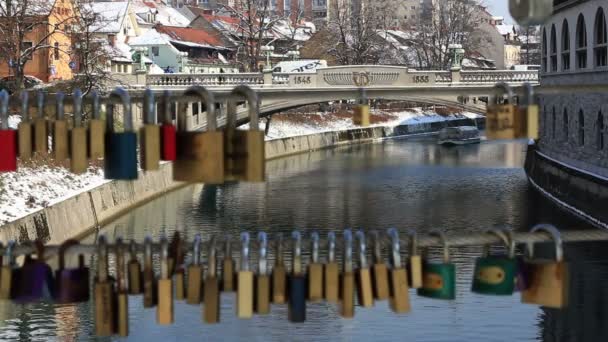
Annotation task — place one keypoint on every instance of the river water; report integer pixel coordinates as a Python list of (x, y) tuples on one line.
[(409, 183)]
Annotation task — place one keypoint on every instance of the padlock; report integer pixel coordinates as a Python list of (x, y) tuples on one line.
[(399, 298), (168, 134), (501, 117), (439, 279), (361, 115), (195, 274), (135, 276), (104, 293), (331, 272), (8, 138), (149, 279), (60, 130), (72, 284), (414, 261), (262, 279), (347, 282), (211, 288), (35, 282), (8, 274), (549, 283), (122, 306), (244, 295), (296, 304), (379, 271), (41, 136), (228, 267), (279, 274), (121, 148), (78, 138), (149, 135), (24, 130), (97, 130), (200, 155), (176, 266), (527, 122), (244, 150), (315, 272), (530, 13), (522, 269), (495, 274), (365, 292), (164, 310)]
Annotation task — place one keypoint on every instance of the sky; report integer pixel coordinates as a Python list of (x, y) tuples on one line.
[(499, 8)]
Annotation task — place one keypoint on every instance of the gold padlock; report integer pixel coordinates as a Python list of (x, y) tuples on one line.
[(315, 272), (400, 298), (149, 135), (195, 274), (244, 150), (365, 291), (122, 290), (549, 279), (501, 117), (380, 270), (78, 138), (164, 310), (97, 131), (60, 130), (200, 155), (211, 288), (244, 297), (104, 293), (415, 261), (41, 136), (149, 279), (24, 129), (347, 307), (527, 122), (332, 271), (135, 283), (228, 267), (279, 274), (262, 279)]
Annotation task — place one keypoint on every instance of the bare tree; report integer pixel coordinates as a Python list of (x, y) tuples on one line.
[(530, 49)]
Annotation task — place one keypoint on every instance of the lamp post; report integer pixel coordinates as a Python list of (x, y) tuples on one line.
[(268, 49), (142, 51)]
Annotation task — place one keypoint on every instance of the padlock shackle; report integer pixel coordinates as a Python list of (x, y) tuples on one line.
[(63, 248), (196, 250), (413, 242), (148, 252), (444, 241), (393, 234), (175, 249), (211, 256), (121, 279), (528, 98), (509, 234), (553, 232), (127, 121), (377, 247), (279, 250), (314, 239), (4, 110), (133, 250), (8, 258), (245, 251), (59, 105), (77, 102), (209, 100), (25, 114), (502, 236), (263, 254), (167, 118), (102, 262), (252, 104), (149, 107), (96, 105), (40, 99), (505, 89), (362, 249), (348, 250), (297, 253), (227, 247), (331, 247), (164, 258)]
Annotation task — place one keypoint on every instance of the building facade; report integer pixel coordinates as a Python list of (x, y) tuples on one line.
[(570, 161)]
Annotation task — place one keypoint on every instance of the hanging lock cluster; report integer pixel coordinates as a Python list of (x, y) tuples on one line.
[(507, 120), (212, 156), (357, 282)]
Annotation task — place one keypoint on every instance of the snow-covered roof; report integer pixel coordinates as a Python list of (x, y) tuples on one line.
[(120, 52), (110, 16), (150, 37), (284, 29), (34, 7), (505, 29), (165, 15)]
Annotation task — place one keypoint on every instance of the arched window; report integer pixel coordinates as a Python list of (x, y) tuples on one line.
[(581, 43), (601, 131), (565, 124), (601, 39), (581, 128), (553, 47), (544, 51), (565, 45), (553, 124)]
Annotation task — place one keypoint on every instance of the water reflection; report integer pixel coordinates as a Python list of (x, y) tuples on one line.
[(393, 183)]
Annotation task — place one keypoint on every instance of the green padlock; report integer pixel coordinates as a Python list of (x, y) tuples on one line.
[(495, 274), (439, 279)]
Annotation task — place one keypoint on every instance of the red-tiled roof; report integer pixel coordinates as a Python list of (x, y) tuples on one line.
[(227, 19), (190, 35)]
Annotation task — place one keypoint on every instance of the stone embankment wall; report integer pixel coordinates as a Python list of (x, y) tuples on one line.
[(76, 216)]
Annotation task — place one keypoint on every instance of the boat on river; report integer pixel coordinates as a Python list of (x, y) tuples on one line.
[(461, 135)]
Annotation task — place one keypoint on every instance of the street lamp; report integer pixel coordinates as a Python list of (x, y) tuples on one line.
[(268, 49)]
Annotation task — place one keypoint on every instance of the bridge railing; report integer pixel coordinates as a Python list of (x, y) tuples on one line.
[(498, 76), (181, 80)]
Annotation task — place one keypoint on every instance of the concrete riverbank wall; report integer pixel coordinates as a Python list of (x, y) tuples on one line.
[(78, 215)]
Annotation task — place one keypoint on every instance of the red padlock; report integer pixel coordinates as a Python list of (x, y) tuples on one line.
[(8, 138), (167, 131)]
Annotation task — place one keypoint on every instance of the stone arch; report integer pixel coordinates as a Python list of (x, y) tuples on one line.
[(581, 42), (565, 48), (600, 39), (553, 48)]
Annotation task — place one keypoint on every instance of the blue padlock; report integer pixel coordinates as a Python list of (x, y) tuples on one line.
[(121, 148)]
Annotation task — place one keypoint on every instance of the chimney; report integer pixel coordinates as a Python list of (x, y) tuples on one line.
[(112, 39)]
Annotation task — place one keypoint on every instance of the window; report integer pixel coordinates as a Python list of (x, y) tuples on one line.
[(581, 43), (601, 39), (565, 124), (553, 123), (155, 51), (565, 46), (553, 49), (600, 131), (581, 128), (544, 51), (56, 51)]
